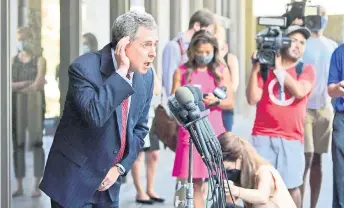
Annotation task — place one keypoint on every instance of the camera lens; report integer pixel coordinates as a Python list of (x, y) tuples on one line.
[(266, 57)]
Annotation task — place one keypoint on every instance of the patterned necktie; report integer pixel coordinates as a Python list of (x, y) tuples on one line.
[(125, 109)]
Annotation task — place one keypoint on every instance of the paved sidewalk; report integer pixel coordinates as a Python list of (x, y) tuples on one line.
[(164, 181)]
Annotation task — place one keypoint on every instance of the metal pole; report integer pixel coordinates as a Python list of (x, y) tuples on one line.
[(189, 185)]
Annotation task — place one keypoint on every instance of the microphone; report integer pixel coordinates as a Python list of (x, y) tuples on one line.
[(187, 106), (186, 99), (205, 124), (177, 111), (198, 96), (196, 92)]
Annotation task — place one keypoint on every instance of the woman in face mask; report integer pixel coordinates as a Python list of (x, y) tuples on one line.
[(89, 43), (204, 70), (252, 178), (28, 109)]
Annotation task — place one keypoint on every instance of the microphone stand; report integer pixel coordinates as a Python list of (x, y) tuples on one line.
[(189, 200), (189, 185), (189, 203)]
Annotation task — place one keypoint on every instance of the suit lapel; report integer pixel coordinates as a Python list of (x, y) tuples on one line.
[(137, 99), (136, 102)]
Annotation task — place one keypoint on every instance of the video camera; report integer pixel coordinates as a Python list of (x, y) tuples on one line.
[(270, 40), (309, 14)]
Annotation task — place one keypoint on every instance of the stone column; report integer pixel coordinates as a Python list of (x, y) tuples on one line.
[(195, 5), (138, 5), (179, 17), (162, 17), (218, 7), (237, 46), (117, 7), (211, 5), (250, 27), (23, 12), (5, 105), (69, 42)]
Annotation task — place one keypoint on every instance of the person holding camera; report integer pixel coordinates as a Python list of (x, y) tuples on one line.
[(250, 177), (281, 98), (336, 91)]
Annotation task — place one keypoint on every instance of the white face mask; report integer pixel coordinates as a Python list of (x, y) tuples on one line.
[(85, 49), (20, 45)]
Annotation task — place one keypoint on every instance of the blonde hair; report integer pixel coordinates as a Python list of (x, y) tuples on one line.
[(233, 147)]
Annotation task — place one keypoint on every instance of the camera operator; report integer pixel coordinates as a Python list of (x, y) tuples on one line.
[(319, 117), (281, 100)]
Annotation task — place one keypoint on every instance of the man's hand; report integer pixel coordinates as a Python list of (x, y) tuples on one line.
[(122, 60), (210, 99), (109, 179), (341, 88), (336, 90)]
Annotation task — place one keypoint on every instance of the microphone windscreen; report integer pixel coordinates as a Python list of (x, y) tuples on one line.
[(184, 96), (176, 110), (196, 91), (199, 93)]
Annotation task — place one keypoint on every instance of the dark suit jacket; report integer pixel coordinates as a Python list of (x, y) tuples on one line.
[(87, 139)]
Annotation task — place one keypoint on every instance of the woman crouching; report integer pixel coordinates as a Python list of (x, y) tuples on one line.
[(252, 178)]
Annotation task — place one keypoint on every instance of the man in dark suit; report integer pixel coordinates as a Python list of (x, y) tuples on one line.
[(105, 117)]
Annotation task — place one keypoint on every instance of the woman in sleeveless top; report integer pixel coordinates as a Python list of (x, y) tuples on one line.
[(205, 71), (232, 62), (151, 150), (252, 178), (28, 78)]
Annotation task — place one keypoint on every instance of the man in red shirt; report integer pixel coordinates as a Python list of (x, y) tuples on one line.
[(281, 101)]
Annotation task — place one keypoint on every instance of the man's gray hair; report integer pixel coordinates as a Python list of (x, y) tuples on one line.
[(127, 24)]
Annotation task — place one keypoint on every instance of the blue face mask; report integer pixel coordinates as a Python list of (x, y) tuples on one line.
[(85, 49), (324, 21), (20, 45), (204, 60)]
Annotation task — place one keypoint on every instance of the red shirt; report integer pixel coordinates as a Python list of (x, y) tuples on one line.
[(278, 117)]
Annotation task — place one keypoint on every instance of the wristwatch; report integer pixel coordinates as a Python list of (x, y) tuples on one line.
[(121, 169)]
